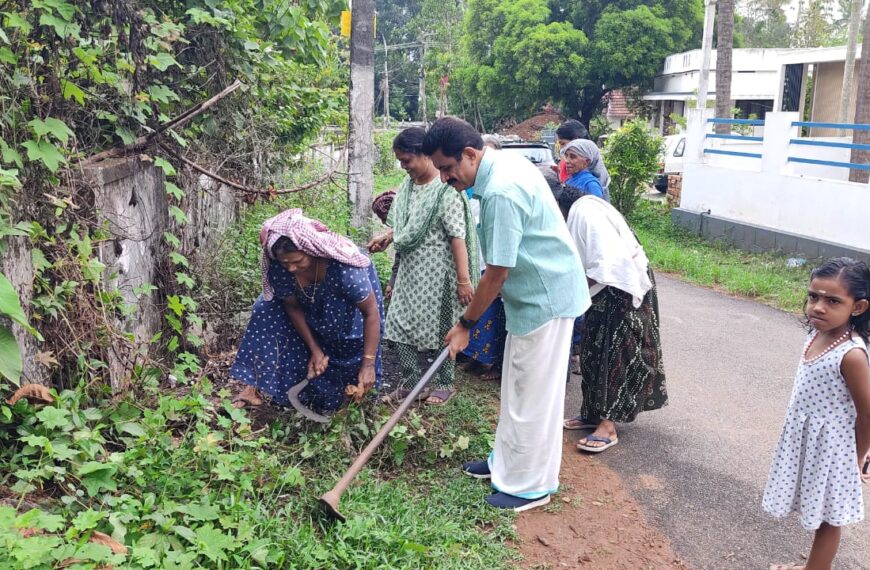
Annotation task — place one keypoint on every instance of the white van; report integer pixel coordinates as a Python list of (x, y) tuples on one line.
[(670, 161)]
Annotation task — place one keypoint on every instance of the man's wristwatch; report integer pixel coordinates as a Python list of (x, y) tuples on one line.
[(465, 323)]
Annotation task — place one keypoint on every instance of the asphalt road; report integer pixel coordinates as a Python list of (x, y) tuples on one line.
[(698, 467)]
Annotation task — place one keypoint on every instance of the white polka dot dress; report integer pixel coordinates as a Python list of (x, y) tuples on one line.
[(815, 467)]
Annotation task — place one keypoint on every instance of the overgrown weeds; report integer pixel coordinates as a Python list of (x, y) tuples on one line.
[(187, 481)]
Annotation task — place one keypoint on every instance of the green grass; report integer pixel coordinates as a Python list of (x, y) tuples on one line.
[(384, 182), (763, 277), (186, 481)]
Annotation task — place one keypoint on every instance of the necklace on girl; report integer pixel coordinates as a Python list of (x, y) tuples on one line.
[(830, 347), (313, 295)]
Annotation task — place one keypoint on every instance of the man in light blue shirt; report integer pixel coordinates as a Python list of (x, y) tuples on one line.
[(532, 261)]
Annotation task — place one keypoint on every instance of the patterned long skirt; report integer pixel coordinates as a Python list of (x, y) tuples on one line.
[(621, 357), (487, 337)]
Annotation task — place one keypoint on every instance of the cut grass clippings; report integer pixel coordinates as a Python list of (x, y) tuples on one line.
[(761, 276)]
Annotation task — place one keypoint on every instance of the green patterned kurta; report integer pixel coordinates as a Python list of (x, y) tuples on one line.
[(424, 304)]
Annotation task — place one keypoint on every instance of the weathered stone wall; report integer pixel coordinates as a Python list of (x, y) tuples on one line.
[(211, 209), (17, 265), (129, 195)]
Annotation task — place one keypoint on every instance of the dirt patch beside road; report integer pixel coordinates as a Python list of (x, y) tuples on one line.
[(592, 523)]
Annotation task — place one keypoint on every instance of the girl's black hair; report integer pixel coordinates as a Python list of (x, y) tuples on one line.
[(566, 199), (410, 140), (572, 129), (283, 245), (855, 275)]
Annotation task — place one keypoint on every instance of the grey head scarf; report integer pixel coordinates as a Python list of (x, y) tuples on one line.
[(590, 151)]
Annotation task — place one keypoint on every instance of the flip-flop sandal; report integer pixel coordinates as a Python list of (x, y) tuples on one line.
[(578, 423), (608, 443), (443, 395), (786, 567)]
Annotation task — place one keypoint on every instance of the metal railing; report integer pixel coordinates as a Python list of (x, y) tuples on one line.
[(830, 144), (738, 137)]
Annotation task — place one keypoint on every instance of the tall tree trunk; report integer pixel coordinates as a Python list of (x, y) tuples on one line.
[(362, 102), (849, 69), (589, 104), (724, 43), (862, 109)]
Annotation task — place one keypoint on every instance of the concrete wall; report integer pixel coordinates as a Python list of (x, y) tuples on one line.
[(130, 195), (771, 195), (16, 264), (129, 198), (827, 90), (211, 208)]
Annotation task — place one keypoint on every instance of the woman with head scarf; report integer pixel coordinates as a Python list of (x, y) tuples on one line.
[(586, 170), (568, 131), (434, 231), (320, 316), (621, 353)]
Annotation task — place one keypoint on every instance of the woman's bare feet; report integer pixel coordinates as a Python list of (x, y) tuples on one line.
[(247, 398)]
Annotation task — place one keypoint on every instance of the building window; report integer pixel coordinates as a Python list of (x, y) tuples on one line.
[(757, 107)]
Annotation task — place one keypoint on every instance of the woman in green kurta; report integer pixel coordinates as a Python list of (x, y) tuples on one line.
[(433, 229)]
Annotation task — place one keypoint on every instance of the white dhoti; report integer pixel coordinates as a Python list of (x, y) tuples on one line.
[(527, 454)]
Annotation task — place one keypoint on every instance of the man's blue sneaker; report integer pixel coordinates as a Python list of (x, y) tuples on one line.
[(477, 469), (516, 504)]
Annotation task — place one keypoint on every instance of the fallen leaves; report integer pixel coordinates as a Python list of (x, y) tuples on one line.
[(116, 547), (34, 393), (355, 393)]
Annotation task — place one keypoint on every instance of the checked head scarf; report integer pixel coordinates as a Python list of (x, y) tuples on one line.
[(310, 236)]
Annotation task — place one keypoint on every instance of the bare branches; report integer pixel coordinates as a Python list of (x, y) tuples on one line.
[(243, 187), (143, 141)]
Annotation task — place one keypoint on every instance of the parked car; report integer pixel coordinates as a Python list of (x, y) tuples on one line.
[(539, 153), (670, 161)]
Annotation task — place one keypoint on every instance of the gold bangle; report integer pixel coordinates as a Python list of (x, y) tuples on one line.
[(464, 282), (369, 357)]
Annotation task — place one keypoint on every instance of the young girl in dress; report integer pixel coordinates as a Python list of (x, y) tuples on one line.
[(816, 470)]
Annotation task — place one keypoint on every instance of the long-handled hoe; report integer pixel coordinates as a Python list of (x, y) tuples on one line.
[(329, 501)]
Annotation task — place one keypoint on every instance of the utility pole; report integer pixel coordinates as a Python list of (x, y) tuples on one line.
[(706, 48), (362, 101), (386, 86)]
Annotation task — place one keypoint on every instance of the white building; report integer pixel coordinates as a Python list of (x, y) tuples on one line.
[(762, 80)]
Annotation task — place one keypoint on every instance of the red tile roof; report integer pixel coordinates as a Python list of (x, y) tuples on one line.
[(617, 106)]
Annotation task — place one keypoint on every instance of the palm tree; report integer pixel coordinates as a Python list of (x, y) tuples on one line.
[(862, 109), (724, 43), (849, 69)]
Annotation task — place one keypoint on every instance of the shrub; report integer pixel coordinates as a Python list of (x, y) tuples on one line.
[(632, 157), (385, 160)]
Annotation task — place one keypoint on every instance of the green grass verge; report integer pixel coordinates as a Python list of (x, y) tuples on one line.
[(384, 182), (763, 277)]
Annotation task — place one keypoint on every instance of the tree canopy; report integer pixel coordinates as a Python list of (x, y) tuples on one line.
[(520, 54)]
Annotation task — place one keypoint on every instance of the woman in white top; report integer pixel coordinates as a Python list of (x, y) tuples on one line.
[(620, 351)]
